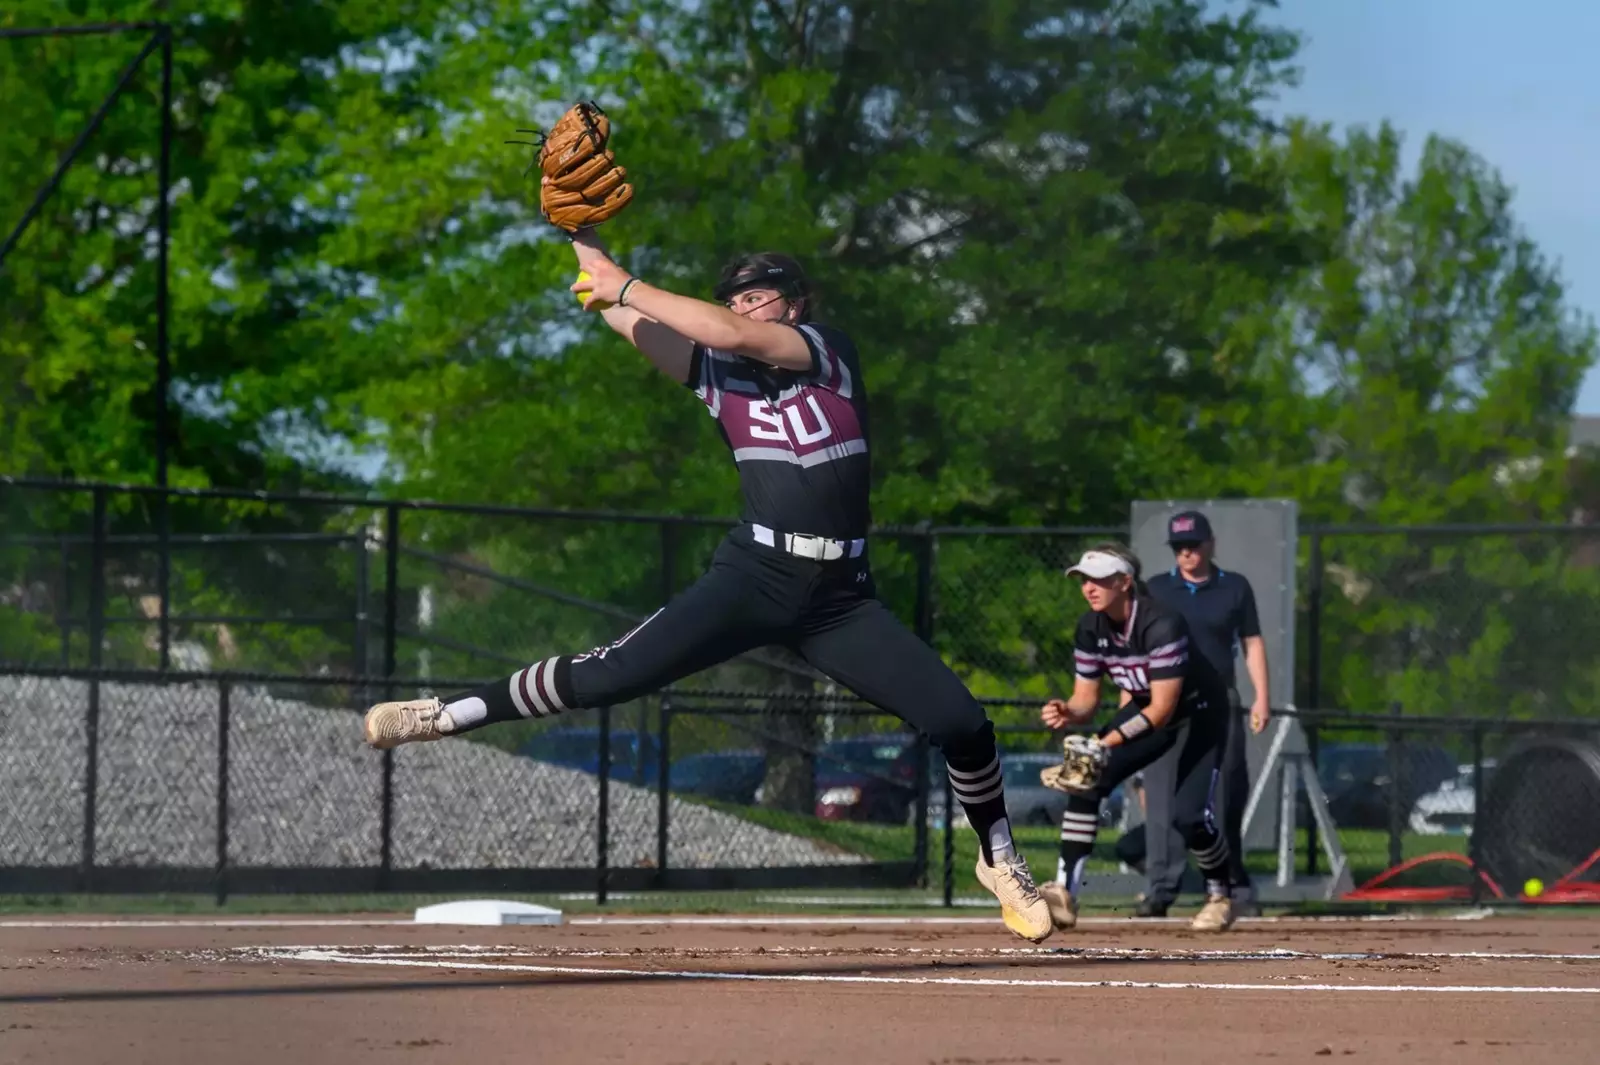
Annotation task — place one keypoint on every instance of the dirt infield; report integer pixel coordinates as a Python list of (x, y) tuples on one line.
[(700, 991)]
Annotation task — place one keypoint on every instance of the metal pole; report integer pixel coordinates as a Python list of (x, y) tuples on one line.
[(64, 604), (949, 843), (90, 29), (362, 664), (663, 790), (224, 714), (391, 621), (924, 629), (603, 779), (164, 581), (1473, 852), (71, 155), (1314, 625), (1313, 845), (163, 355), (97, 611), (1396, 814), (669, 561)]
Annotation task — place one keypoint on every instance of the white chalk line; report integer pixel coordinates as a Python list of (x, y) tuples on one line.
[(947, 981), (222, 922), (480, 950)]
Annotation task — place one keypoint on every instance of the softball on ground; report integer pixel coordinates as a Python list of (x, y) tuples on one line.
[(1533, 888), (585, 297)]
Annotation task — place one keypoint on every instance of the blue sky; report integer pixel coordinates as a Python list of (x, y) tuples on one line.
[(1517, 82)]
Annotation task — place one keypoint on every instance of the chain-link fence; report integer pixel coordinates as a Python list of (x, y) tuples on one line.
[(224, 784), (1494, 621), (112, 602)]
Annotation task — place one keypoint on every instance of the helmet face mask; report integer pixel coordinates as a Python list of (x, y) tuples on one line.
[(768, 270)]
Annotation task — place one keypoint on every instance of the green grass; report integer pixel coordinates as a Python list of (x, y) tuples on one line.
[(1367, 851)]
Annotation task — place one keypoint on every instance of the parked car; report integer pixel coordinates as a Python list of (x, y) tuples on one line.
[(729, 776), (635, 756), (867, 778), (1029, 802), (1356, 778), (1450, 808)]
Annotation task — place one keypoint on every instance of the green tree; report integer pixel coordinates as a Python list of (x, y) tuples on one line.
[(1425, 372)]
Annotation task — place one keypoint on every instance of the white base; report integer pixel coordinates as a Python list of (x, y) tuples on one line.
[(487, 911)]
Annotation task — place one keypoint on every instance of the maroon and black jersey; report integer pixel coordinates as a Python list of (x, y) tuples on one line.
[(799, 438)]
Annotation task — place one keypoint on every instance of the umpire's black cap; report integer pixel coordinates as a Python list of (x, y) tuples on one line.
[(1189, 527)]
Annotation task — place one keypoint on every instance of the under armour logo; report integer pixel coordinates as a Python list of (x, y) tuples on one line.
[(1105, 643), (861, 578)]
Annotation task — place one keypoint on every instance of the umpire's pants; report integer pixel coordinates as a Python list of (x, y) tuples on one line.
[(1166, 856)]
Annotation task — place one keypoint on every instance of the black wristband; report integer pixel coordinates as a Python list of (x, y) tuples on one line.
[(1136, 725), (622, 297)]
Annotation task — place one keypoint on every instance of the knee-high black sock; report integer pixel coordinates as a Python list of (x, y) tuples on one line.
[(976, 782), (541, 690), (1210, 850), (1079, 825)]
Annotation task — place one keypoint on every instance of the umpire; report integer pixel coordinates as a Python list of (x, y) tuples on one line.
[(1220, 607)]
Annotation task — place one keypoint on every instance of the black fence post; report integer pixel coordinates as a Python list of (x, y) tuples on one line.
[(603, 828), (669, 561), (949, 843), (924, 629), (363, 617), (64, 604), (164, 582), (163, 310), (1312, 836), (224, 716), (663, 789), (97, 628), (391, 623), (1314, 624), (1396, 780), (1474, 854)]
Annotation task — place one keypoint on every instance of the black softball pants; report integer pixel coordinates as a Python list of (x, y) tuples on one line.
[(754, 596), (1198, 739)]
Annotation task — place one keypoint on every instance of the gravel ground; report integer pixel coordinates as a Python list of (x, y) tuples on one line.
[(304, 790)]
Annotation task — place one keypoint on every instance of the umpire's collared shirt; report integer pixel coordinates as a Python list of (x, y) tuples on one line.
[(1221, 613)]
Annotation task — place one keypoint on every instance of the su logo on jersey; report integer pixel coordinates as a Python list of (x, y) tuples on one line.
[(768, 424)]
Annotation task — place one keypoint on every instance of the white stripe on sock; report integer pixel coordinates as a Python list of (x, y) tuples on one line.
[(515, 688), (992, 769), (547, 684)]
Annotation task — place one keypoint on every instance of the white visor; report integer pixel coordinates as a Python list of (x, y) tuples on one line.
[(1098, 565)]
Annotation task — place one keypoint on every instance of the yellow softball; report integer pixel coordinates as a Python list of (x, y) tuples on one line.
[(1533, 888), (586, 298)]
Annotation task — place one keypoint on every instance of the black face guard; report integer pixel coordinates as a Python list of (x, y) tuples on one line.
[(788, 284)]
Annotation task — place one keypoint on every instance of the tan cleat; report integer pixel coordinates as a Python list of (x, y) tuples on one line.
[(391, 724), (1021, 907), (1063, 907), (1215, 916)]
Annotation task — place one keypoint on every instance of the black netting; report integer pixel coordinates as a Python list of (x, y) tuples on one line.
[(1541, 818)]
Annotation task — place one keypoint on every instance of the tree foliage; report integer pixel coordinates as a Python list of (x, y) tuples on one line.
[(1082, 263)]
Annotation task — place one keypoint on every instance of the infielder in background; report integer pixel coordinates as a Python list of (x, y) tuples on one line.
[(1220, 608), (789, 399), (1172, 700)]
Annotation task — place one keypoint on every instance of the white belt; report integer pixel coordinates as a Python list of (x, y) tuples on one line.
[(803, 545)]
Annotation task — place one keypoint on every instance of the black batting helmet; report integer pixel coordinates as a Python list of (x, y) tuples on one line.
[(767, 269)]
